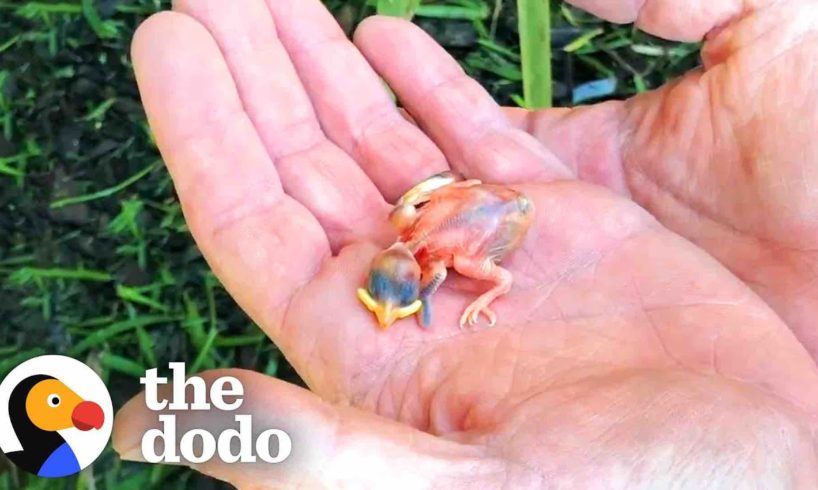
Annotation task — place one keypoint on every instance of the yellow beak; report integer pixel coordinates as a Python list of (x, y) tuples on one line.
[(387, 313)]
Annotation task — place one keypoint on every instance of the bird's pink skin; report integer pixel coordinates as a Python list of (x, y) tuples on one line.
[(471, 227)]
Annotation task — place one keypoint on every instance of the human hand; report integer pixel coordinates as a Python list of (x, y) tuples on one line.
[(624, 356), (725, 156)]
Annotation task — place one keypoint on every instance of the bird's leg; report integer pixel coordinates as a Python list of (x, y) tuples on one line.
[(485, 270), (432, 277)]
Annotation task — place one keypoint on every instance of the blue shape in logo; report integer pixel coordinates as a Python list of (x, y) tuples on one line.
[(62, 462)]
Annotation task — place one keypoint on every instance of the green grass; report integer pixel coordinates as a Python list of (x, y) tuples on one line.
[(535, 50), (398, 8), (96, 261)]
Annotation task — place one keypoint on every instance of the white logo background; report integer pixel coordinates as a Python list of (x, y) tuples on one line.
[(87, 445)]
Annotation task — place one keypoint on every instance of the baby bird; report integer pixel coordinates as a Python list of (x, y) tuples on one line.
[(443, 223)]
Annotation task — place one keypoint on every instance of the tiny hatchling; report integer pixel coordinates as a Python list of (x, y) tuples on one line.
[(445, 222)]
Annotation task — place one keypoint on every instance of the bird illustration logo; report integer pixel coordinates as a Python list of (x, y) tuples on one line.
[(59, 415)]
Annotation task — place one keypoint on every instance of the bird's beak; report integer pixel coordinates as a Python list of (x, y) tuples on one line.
[(87, 416), (387, 313)]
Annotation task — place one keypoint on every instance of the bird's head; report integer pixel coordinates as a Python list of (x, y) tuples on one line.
[(393, 285), (53, 406)]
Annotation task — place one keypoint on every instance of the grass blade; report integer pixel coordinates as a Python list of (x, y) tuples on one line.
[(583, 40), (26, 275), (204, 359), (193, 322), (472, 12), (535, 50), (105, 30), (146, 345), (134, 296), (109, 191), (241, 340), (122, 365), (100, 336), (398, 8), (6, 365)]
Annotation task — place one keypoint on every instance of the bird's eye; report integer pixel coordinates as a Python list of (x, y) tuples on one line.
[(53, 400)]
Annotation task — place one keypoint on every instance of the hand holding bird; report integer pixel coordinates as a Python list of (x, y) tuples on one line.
[(623, 351)]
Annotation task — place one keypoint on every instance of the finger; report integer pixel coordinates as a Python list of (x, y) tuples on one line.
[(262, 244), (312, 169), (587, 139), (353, 106), (459, 115), (332, 446), (681, 20)]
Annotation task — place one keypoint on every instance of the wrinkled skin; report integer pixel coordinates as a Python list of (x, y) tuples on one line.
[(625, 357)]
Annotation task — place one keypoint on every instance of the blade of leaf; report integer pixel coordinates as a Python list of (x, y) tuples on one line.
[(535, 49), (398, 8)]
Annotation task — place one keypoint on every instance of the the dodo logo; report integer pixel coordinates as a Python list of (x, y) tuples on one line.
[(55, 416)]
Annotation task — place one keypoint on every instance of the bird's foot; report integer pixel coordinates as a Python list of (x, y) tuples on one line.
[(472, 313)]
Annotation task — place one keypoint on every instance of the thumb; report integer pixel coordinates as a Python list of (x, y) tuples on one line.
[(332, 446)]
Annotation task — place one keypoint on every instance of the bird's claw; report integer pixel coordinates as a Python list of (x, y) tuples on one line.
[(472, 314)]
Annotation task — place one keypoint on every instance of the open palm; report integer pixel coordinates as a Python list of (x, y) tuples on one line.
[(623, 357)]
